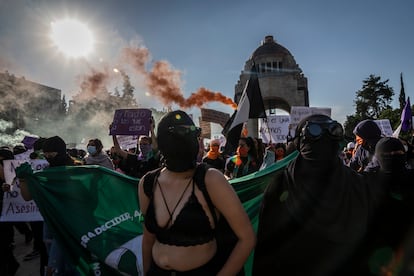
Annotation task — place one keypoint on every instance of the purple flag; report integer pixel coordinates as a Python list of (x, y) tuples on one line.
[(406, 117)]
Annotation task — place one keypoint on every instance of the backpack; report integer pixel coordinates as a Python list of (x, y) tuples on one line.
[(226, 239)]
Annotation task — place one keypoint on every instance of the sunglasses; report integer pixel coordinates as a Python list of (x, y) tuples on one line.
[(314, 131), (184, 130)]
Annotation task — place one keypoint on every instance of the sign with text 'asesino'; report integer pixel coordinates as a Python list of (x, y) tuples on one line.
[(131, 122), (14, 207)]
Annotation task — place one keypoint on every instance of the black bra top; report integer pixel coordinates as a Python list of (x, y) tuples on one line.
[(191, 226)]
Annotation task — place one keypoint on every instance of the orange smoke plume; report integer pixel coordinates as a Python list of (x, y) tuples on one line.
[(164, 82), (137, 57), (93, 84), (204, 95)]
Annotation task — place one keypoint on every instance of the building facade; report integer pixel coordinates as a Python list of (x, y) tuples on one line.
[(25, 103), (282, 82)]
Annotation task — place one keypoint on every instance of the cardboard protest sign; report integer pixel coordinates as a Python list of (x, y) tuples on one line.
[(127, 142), (385, 127), (297, 113), (275, 130), (14, 207), (131, 122)]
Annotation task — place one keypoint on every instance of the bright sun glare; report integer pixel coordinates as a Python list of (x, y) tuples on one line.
[(73, 38)]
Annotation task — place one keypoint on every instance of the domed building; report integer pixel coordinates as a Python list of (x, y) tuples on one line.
[(281, 80)]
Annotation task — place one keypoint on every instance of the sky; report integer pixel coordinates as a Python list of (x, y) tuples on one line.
[(336, 43)]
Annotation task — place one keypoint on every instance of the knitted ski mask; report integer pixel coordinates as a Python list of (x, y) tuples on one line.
[(177, 138)]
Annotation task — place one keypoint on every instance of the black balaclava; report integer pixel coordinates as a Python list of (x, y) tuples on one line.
[(55, 144), (179, 148), (323, 149), (391, 155)]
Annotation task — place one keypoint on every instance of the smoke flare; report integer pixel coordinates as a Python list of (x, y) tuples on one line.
[(164, 82)]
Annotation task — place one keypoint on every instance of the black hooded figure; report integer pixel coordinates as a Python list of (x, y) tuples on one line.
[(56, 144), (177, 138), (315, 214)]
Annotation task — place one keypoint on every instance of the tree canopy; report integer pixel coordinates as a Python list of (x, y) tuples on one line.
[(373, 102)]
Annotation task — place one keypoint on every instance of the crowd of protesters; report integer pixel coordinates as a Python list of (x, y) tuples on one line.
[(327, 192)]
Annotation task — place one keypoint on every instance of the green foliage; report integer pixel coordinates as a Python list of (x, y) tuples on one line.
[(373, 102), (128, 92), (349, 125), (394, 115), (374, 97), (401, 98)]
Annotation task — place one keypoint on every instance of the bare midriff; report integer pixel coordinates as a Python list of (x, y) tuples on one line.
[(183, 258)]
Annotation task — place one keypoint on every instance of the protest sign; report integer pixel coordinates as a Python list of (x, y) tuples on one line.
[(14, 207), (297, 113), (127, 142), (385, 127), (275, 130), (131, 122)]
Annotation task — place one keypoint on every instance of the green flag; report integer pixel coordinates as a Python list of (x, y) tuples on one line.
[(95, 213)]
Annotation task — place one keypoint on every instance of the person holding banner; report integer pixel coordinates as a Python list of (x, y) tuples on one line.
[(315, 214), (179, 228), (245, 161), (55, 152)]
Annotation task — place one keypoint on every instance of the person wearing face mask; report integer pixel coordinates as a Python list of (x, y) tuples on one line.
[(314, 214), (392, 223), (244, 162), (214, 157), (145, 159), (179, 226), (55, 152), (96, 156), (409, 149)]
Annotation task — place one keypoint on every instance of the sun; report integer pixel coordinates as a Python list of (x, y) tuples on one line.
[(72, 37)]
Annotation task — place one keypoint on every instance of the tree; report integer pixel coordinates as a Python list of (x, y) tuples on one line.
[(401, 98), (372, 102), (128, 92), (374, 97)]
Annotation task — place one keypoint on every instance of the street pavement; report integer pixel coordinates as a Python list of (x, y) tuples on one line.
[(27, 268)]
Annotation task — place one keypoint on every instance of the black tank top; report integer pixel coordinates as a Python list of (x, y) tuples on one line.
[(191, 226)]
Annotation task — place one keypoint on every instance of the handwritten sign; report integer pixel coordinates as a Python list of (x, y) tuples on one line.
[(297, 113), (14, 207), (127, 142), (275, 130), (131, 122), (385, 127)]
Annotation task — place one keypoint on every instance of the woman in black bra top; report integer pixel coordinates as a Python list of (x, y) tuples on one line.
[(178, 234)]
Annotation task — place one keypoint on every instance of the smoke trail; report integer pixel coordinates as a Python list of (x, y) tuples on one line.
[(137, 57), (204, 95), (93, 84), (164, 82)]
